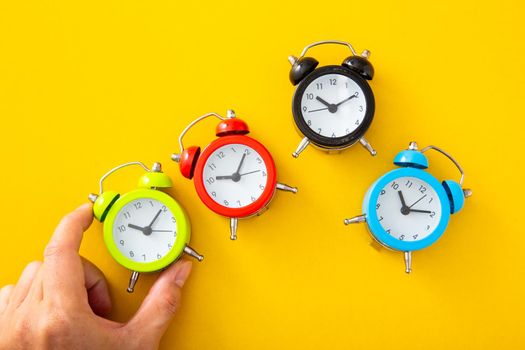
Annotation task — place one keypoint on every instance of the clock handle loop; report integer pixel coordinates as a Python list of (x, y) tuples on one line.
[(446, 154), (115, 169), (231, 114), (327, 42)]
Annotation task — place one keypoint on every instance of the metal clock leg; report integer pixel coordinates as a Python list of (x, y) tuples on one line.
[(233, 228), (302, 145), (408, 262), (355, 220), (132, 281), (367, 145), (191, 252), (286, 188)]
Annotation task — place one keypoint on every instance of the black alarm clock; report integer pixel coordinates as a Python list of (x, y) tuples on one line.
[(333, 106)]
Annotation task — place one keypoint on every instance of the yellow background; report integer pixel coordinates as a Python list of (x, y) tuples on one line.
[(86, 86)]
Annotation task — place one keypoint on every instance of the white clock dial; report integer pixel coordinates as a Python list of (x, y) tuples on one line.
[(144, 230), (333, 105), (235, 175), (408, 209)]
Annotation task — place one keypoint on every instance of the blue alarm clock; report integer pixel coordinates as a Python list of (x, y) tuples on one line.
[(408, 209)]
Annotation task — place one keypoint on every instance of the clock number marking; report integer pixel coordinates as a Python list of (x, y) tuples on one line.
[(239, 202), (131, 253), (159, 256), (402, 237), (382, 192), (422, 189), (309, 96), (212, 166), (121, 242), (432, 214), (333, 82), (319, 86), (415, 236), (261, 187), (360, 107), (137, 205), (247, 151), (127, 215), (380, 218), (121, 228), (210, 180), (226, 203), (214, 194), (394, 185), (409, 184), (144, 257)]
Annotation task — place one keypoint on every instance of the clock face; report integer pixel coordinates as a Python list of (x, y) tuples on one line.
[(144, 230), (408, 209), (235, 175), (333, 105)]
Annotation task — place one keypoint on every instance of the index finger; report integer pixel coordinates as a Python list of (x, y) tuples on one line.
[(62, 262)]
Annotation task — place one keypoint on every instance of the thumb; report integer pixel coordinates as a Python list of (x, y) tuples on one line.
[(162, 302)]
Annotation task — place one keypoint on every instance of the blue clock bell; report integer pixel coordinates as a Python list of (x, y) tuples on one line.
[(408, 209)]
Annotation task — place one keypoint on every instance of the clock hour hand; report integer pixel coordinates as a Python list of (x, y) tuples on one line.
[(225, 177), (405, 210), (323, 101), (142, 229), (332, 108)]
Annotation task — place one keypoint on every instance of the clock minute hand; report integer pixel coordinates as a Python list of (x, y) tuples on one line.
[(240, 164), (420, 211), (346, 99), (155, 218)]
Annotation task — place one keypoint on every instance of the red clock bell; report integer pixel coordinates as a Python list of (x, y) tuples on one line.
[(234, 175)]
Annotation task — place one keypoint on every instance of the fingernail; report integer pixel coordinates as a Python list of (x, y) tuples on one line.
[(183, 273)]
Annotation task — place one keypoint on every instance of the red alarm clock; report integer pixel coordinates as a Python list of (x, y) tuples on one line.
[(235, 175)]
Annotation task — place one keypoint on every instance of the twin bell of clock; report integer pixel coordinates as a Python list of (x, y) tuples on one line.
[(333, 106), (145, 230), (235, 175)]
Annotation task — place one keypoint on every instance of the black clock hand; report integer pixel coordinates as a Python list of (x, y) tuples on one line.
[(345, 100), (417, 201), (317, 110), (405, 210), (240, 164), (155, 218), (250, 172), (225, 177), (402, 198), (331, 107), (420, 211), (161, 230), (323, 101), (141, 229)]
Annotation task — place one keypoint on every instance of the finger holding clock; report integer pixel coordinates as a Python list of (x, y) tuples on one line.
[(62, 264), (26, 280), (97, 288), (5, 296)]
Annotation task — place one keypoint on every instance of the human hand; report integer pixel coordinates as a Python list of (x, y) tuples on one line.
[(60, 303)]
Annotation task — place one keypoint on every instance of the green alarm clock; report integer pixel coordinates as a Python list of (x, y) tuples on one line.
[(145, 230)]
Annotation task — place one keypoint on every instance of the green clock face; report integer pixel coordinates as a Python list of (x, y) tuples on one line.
[(146, 230)]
